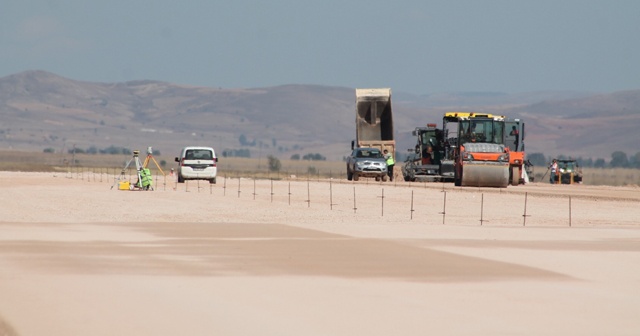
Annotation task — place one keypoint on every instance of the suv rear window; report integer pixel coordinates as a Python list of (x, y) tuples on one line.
[(198, 154)]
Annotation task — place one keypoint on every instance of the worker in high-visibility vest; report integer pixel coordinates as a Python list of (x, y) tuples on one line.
[(145, 179), (390, 163)]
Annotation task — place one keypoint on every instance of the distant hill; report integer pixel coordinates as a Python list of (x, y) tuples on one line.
[(42, 110), (593, 126)]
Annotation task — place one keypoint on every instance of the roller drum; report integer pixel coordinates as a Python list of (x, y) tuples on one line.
[(485, 175)]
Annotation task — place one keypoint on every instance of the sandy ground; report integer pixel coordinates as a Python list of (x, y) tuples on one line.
[(246, 257)]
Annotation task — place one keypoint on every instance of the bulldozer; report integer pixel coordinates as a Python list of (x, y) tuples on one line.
[(475, 149)]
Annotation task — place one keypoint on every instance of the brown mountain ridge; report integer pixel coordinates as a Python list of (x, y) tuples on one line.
[(42, 110)]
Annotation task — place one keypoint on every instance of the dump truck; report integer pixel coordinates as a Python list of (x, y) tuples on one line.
[(424, 162), (374, 124), (374, 120), (475, 149)]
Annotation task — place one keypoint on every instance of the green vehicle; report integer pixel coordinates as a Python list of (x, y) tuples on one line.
[(569, 172)]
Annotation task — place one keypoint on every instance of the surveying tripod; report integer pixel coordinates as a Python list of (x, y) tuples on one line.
[(135, 159), (150, 158), (139, 169)]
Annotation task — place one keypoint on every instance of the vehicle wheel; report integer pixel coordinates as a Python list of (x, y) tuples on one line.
[(510, 175), (514, 176), (212, 181), (407, 178), (457, 179), (384, 178), (349, 175), (377, 178), (355, 177), (180, 179)]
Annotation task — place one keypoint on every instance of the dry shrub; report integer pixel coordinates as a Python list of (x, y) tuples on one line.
[(611, 176)]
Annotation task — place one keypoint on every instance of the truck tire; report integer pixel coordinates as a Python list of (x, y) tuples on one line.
[(457, 179), (180, 179), (384, 178), (377, 178), (349, 174), (356, 177)]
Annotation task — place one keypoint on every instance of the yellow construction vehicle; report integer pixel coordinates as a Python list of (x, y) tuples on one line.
[(475, 149), (569, 172)]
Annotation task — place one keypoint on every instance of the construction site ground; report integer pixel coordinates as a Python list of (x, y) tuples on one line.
[(315, 257)]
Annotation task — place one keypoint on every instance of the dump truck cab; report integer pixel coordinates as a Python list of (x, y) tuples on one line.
[(475, 148)]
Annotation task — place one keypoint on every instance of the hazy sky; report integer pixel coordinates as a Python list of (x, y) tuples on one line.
[(415, 46)]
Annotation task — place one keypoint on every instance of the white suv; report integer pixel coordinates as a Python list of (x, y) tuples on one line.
[(197, 163)]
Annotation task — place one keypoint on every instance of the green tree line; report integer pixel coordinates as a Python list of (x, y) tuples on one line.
[(111, 150)]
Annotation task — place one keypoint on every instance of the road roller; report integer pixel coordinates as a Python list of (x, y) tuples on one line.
[(476, 150)]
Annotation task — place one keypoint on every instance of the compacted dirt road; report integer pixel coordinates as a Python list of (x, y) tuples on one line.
[(298, 257)]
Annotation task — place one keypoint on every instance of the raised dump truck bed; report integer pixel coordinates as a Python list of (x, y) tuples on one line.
[(374, 119)]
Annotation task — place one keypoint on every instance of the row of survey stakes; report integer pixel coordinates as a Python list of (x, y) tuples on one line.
[(430, 203)]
